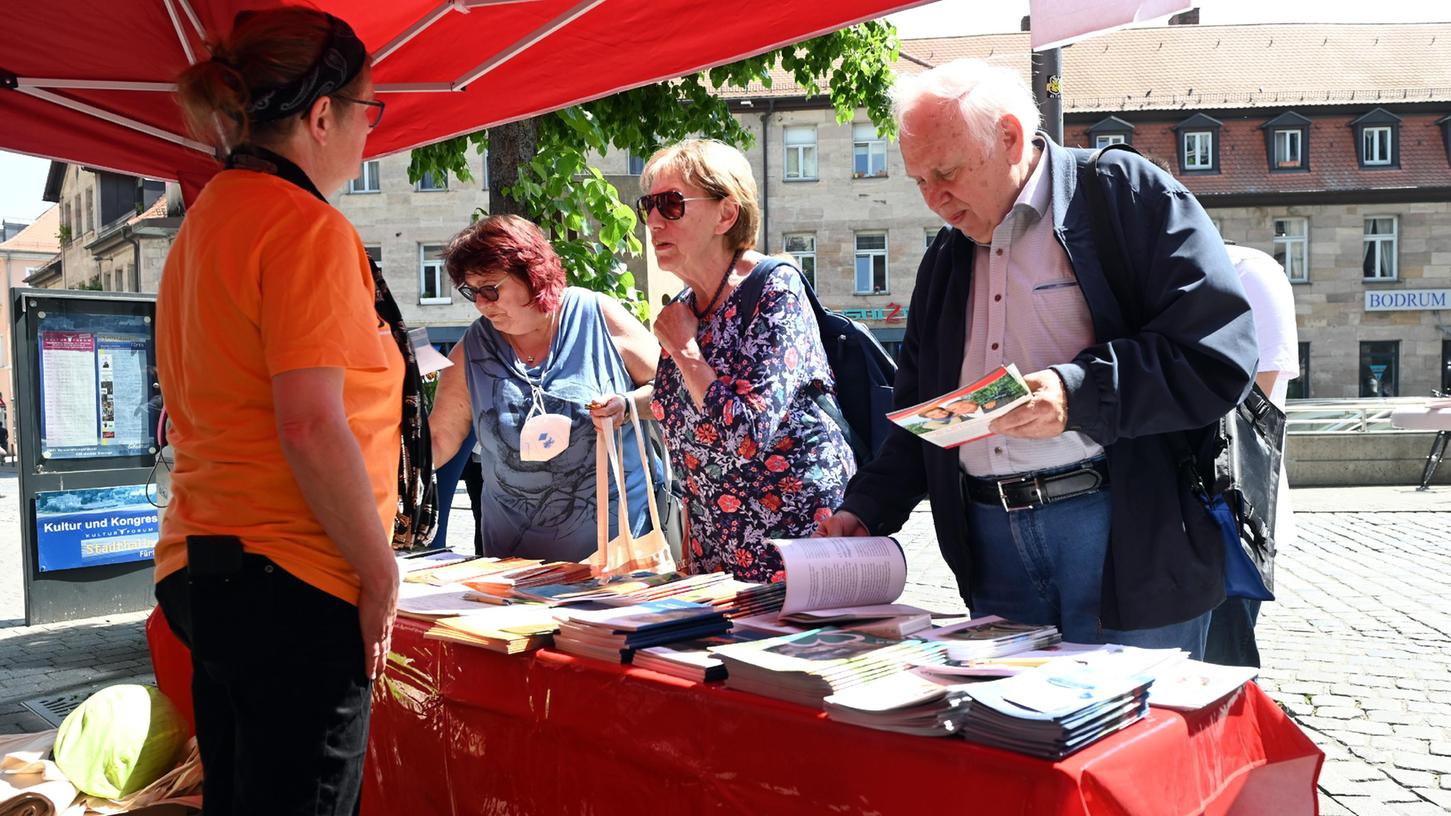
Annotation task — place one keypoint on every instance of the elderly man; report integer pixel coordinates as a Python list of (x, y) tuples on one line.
[(1074, 514)]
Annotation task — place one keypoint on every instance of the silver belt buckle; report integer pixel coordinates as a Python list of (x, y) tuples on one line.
[(1036, 482)]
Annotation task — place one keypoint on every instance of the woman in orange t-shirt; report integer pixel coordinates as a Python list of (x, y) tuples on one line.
[(292, 395)]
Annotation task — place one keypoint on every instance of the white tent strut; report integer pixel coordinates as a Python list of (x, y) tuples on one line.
[(438, 13), (180, 34), (94, 84), (529, 41), (115, 119)]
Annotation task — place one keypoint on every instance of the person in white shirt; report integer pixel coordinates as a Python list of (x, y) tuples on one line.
[(1231, 639)]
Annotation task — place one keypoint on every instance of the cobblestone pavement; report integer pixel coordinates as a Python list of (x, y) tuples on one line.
[(1357, 647)]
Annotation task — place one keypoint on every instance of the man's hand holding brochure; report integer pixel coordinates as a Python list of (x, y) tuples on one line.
[(964, 415)]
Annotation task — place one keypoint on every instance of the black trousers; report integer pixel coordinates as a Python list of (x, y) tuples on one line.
[(473, 477), (279, 688)]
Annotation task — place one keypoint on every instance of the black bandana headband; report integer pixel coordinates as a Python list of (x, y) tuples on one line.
[(343, 56)]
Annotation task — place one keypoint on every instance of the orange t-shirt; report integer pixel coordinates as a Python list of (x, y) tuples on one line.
[(265, 278)]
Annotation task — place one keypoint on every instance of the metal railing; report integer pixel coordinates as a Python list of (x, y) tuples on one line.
[(1346, 415)]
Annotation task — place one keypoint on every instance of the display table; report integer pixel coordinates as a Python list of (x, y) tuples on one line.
[(460, 730)]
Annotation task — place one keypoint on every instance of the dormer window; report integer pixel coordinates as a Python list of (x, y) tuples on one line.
[(1199, 144), (1287, 142), (1111, 130), (1377, 139)]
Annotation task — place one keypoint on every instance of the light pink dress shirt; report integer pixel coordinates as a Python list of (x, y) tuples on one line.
[(1025, 308)]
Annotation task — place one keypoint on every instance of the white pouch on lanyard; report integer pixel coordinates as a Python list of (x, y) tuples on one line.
[(544, 435)]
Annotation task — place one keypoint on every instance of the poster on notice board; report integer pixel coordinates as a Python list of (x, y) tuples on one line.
[(94, 526), (98, 394)]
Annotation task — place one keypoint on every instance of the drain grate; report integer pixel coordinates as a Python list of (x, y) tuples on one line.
[(53, 709)]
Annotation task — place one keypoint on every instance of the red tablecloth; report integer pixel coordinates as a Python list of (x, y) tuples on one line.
[(459, 730)]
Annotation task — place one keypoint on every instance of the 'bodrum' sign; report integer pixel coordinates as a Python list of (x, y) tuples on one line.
[(1404, 300)]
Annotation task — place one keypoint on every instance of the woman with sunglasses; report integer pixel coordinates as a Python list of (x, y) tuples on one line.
[(539, 348), (738, 382), (292, 395)]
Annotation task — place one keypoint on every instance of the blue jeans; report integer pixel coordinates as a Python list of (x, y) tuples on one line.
[(1045, 565)]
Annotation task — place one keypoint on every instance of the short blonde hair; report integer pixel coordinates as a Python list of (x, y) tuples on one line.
[(718, 169)]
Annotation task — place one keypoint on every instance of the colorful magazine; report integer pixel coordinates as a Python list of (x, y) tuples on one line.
[(964, 415)]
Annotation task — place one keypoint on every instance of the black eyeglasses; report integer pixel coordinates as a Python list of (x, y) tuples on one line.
[(670, 204), (374, 116), (471, 293)]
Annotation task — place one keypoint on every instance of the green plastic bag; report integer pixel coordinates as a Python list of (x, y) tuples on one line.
[(120, 740)]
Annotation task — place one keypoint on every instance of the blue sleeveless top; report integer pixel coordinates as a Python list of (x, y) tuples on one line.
[(547, 509)]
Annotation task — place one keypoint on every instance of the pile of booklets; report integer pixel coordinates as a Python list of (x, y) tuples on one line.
[(990, 636), (615, 634), (809, 666), (907, 703), (506, 629), (1053, 711), (693, 659)]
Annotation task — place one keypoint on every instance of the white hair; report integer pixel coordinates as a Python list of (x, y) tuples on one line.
[(984, 93)]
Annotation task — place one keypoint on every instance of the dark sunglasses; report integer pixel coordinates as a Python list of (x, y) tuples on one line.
[(374, 116), (472, 293), (671, 205)]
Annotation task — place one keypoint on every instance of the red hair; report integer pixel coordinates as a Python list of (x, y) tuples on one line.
[(510, 244)]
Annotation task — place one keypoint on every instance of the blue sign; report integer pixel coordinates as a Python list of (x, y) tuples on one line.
[(87, 528)]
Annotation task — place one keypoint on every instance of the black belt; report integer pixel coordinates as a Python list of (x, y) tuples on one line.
[(1034, 489)]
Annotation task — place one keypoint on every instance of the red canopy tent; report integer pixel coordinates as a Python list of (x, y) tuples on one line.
[(90, 81)]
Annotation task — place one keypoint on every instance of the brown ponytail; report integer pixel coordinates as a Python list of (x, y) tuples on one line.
[(265, 49)]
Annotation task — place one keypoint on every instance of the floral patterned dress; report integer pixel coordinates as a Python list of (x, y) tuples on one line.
[(761, 460)]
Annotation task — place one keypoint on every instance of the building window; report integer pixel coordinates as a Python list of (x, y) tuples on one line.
[(869, 152), (801, 152), (1380, 248), (1288, 154), (1292, 247), (634, 165), (802, 247), (1375, 145), (1111, 130), (431, 183), (367, 180), (375, 252), (1199, 150), (90, 211), (1380, 368), (871, 263), (1300, 386), (1377, 137), (1446, 368), (432, 282)]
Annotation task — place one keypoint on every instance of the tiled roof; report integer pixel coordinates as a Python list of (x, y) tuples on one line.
[(1244, 167), (1216, 67)]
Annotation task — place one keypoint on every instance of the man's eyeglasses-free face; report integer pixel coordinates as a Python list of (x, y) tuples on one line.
[(670, 204), (374, 116), (489, 292)]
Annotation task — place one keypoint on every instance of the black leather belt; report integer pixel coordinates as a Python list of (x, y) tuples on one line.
[(1034, 489)]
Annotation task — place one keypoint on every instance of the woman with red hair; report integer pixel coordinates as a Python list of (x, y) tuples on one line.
[(539, 350)]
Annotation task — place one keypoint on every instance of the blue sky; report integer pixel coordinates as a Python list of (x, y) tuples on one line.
[(22, 178)]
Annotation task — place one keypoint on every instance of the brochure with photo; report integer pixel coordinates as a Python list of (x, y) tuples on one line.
[(962, 416)]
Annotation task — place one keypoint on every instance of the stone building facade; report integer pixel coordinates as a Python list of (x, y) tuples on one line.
[(115, 230)]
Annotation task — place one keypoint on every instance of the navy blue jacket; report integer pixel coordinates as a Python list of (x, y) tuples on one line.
[(1174, 361)]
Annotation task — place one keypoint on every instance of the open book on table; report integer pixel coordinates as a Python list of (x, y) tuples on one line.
[(844, 580), (961, 416)]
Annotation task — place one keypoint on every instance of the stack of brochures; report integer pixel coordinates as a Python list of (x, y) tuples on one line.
[(506, 629), (615, 634), (807, 667), (991, 636), (499, 585), (456, 572), (907, 703), (1051, 712), (692, 659), (1059, 654)]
